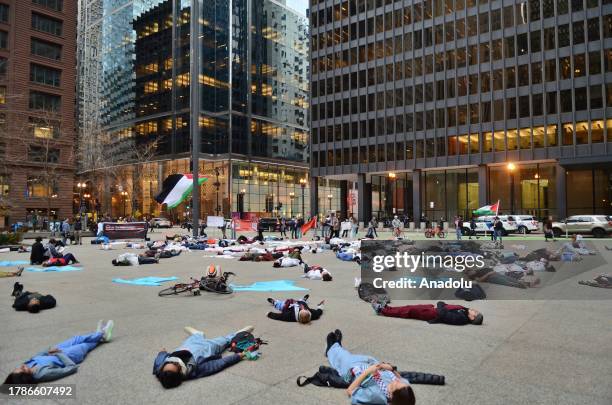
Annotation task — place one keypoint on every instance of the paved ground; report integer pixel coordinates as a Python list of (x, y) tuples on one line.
[(544, 352)]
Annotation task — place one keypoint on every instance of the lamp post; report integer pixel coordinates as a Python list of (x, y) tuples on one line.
[(124, 195), (81, 186), (291, 197), (303, 186), (511, 169), (217, 185), (329, 197)]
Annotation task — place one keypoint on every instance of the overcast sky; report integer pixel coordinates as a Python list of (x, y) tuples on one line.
[(298, 5)]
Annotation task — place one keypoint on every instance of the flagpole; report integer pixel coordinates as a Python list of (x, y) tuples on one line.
[(194, 101)]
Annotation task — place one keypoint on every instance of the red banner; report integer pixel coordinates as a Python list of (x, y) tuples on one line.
[(309, 225), (245, 225)]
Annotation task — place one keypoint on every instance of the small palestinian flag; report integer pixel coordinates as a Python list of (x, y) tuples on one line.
[(176, 188), (487, 209)]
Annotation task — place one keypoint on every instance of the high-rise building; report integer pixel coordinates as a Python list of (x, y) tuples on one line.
[(438, 107), (135, 110), (37, 98)]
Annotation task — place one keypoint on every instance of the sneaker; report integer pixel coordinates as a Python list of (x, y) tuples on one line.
[(248, 328), (271, 300), (19, 271), (108, 331), (157, 255), (331, 339), (192, 331), (377, 307), (306, 297), (17, 289), (338, 334), (100, 324)]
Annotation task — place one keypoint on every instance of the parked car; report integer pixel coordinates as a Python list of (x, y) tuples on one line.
[(485, 224), (160, 223), (526, 223), (597, 225)]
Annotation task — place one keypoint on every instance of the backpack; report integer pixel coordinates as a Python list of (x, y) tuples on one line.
[(369, 293), (329, 377), (245, 341), (471, 294)]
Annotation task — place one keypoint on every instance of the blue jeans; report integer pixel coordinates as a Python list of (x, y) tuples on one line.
[(279, 304), (199, 346), (77, 347), (343, 361), (458, 232)]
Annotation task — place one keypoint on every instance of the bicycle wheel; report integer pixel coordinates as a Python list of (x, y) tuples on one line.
[(441, 234), (215, 288), (427, 234), (174, 290)]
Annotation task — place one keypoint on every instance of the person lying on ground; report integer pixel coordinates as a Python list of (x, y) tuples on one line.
[(61, 360), (260, 257), (295, 310), (371, 382), (12, 273), (162, 254), (64, 260), (132, 259), (196, 357), (286, 262), (37, 254), (441, 313), (32, 302), (490, 276), (316, 273)]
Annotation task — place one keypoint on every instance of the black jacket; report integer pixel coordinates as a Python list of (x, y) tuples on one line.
[(451, 314), (37, 255), (21, 302), (288, 315)]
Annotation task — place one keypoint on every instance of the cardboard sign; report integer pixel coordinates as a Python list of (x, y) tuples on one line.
[(128, 230), (215, 222)]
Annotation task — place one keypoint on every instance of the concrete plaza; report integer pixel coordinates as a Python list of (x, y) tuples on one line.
[(536, 352)]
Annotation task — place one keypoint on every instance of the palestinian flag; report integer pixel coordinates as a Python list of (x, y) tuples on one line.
[(176, 188), (487, 209), (309, 225)]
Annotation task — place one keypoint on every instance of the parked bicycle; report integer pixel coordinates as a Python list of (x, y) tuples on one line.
[(433, 232)]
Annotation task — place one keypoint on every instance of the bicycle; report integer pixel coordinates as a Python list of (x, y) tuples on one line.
[(219, 285), (432, 233), (397, 233), (181, 288)]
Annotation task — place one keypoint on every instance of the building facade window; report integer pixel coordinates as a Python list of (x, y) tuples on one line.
[(45, 101), (43, 154), (4, 13), (47, 24), (37, 187), (56, 5), (45, 75), (45, 49)]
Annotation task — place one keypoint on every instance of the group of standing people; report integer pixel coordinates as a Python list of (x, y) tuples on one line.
[(294, 225)]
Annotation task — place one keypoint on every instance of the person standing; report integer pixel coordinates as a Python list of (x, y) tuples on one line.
[(354, 227), (78, 227), (299, 225), (260, 230), (283, 227), (458, 226), (473, 227), (293, 226), (65, 230), (548, 230), (334, 225), (498, 229)]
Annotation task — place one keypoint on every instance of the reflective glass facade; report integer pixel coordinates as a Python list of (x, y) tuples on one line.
[(253, 71)]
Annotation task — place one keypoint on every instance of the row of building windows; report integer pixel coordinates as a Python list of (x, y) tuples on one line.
[(486, 111), (57, 5), (521, 13), (546, 71), (581, 133), (45, 101), (45, 49), (47, 24), (45, 75), (532, 42)]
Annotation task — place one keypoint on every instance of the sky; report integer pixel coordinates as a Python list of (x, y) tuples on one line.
[(298, 5)]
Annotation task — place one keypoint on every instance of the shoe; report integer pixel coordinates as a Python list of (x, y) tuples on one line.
[(192, 331), (331, 339), (306, 297), (248, 329), (338, 334), (17, 289), (271, 300), (108, 331), (19, 271), (157, 255), (100, 324), (377, 307)]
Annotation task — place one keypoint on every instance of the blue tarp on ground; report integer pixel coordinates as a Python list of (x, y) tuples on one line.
[(53, 268), (9, 263), (147, 281), (276, 285)]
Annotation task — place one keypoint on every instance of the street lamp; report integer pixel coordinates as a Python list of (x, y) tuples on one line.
[(303, 185), (124, 194), (291, 197), (511, 168), (217, 185), (81, 186), (329, 197)]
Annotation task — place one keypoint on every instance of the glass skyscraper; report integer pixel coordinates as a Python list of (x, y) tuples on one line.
[(421, 106), (134, 91)]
